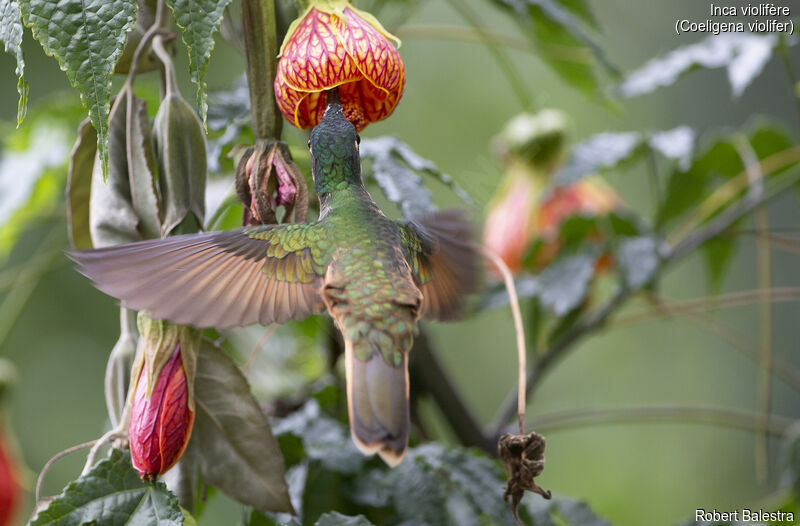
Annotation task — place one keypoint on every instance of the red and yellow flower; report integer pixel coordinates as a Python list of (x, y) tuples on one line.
[(334, 44)]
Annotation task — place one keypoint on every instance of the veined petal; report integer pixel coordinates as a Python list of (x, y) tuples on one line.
[(375, 57), (313, 58)]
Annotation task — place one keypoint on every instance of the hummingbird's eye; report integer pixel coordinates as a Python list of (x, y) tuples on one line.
[(358, 139), (309, 144)]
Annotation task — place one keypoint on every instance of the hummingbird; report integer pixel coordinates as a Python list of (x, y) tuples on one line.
[(375, 277)]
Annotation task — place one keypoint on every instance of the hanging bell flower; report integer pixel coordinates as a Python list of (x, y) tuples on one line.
[(162, 390), (526, 208), (334, 44), (10, 472)]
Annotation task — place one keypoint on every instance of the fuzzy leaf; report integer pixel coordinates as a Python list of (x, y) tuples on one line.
[(111, 494), (396, 168), (11, 37), (323, 438), (638, 260), (608, 150), (564, 284), (86, 36), (199, 20), (239, 454), (438, 485), (744, 55)]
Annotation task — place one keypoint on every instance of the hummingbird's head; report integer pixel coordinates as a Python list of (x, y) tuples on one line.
[(334, 148)]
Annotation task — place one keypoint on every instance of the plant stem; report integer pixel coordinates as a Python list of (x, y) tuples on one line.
[(261, 51), (734, 418)]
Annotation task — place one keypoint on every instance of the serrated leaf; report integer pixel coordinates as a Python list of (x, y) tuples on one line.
[(79, 185), (11, 37), (396, 168), (199, 20), (638, 260), (323, 438), (337, 519), (111, 494), (435, 484), (608, 150), (86, 37), (561, 511), (239, 454), (744, 55), (564, 284)]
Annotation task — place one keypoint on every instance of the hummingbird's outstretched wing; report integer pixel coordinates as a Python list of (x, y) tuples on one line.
[(444, 259), (264, 274)]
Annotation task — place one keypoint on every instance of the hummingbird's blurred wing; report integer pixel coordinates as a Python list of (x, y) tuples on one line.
[(444, 259), (264, 274)]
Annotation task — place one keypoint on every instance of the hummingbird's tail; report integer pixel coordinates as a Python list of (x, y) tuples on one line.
[(377, 393), (377, 401)]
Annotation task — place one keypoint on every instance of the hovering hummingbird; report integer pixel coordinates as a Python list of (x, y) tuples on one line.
[(373, 275)]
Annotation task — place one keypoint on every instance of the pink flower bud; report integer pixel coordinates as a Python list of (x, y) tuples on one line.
[(161, 423)]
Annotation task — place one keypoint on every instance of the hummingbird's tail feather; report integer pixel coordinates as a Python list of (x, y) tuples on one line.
[(377, 401)]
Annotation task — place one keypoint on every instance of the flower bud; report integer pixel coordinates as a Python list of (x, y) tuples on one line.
[(334, 44), (162, 405), (9, 484)]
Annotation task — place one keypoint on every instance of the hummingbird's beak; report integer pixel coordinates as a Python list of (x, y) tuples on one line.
[(333, 97)]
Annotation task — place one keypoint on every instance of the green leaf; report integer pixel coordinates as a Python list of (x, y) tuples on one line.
[(86, 36), (563, 285), (638, 260), (111, 494), (323, 438), (239, 455), (31, 177), (563, 43), (688, 187), (79, 184), (199, 20), (718, 255), (448, 486), (337, 519), (11, 37), (396, 168), (608, 150), (744, 56)]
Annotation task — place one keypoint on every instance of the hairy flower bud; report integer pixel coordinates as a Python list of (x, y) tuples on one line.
[(162, 404), (334, 44)]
